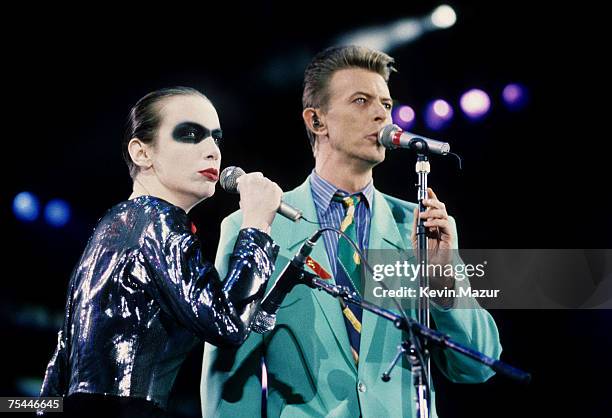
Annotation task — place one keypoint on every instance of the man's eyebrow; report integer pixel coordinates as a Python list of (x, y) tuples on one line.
[(369, 96)]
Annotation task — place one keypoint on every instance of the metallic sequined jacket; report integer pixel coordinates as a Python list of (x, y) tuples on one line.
[(141, 297)]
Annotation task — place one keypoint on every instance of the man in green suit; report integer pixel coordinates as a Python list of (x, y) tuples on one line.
[(322, 359)]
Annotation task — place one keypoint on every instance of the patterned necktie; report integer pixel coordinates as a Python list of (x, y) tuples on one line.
[(348, 271)]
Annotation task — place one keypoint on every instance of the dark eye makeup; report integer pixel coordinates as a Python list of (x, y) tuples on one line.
[(194, 133)]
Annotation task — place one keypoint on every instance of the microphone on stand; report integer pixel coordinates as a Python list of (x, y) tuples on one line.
[(393, 137)]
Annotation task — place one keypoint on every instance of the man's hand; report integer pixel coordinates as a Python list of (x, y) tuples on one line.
[(439, 238), (438, 229)]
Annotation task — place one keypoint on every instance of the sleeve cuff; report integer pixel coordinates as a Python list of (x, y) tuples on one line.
[(261, 239)]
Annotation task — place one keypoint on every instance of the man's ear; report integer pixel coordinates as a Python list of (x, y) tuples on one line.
[(140, 153), (314, 121)]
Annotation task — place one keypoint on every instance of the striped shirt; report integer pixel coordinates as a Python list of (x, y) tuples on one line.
[(332, 213)]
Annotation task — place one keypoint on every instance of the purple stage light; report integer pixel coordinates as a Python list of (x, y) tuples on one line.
[(403, 116), (475, 103), (438, 114), (515, 96)]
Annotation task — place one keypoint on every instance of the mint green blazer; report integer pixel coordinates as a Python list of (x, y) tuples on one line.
[(310, 369)]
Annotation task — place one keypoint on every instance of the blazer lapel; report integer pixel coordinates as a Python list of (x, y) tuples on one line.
[(301, 198), (384, 235), (384, 232)]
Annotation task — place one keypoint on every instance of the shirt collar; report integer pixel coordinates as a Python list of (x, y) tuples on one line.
[(324, 191)]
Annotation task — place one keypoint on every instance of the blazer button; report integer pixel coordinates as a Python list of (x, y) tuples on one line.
[(361, 387)]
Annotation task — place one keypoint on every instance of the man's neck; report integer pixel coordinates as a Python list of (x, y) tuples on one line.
[(350, 178)]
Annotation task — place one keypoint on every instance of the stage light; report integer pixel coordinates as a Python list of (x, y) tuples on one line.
[(403, 116), (438, 114), (57, 213), (388, 36), (515, 96), (442, 109), (405, 30), (443, 17), (26, 207), (475, 103)]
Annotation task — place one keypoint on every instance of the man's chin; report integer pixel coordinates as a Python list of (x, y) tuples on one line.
[(373, 158)]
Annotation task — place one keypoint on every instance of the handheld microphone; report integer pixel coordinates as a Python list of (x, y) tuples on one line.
[(228, 178), (292, 275), (393, 137)]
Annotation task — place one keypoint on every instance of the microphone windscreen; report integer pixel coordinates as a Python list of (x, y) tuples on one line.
[(385, 136), (228, 178)]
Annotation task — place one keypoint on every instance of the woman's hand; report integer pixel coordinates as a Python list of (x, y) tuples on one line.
[(260, 197)]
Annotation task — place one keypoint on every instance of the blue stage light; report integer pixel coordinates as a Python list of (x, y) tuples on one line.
[(26, 207), (57, 212)]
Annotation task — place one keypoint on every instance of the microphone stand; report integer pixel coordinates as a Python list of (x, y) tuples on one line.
[(419, 355), (418, 332), (422, 380), (422, 169)]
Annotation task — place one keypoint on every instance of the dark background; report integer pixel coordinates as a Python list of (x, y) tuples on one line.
[(534, 178)]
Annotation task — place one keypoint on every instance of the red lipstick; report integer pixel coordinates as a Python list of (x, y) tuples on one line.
[(210, 173)]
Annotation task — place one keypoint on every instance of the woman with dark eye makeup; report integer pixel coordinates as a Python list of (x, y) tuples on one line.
[(141, 296)]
